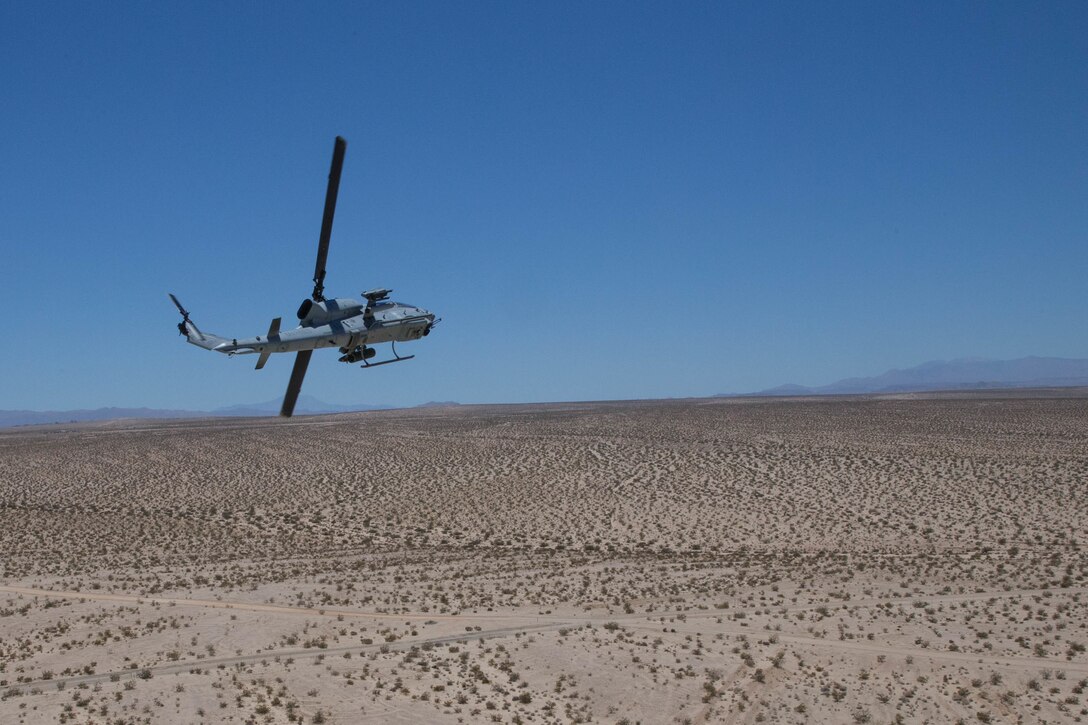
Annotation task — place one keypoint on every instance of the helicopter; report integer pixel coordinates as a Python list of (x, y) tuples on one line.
[(348, 324)]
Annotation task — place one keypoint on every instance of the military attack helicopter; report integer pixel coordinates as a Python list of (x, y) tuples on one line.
[(348, 324)]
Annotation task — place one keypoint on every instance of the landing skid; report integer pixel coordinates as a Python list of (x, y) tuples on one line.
[(396, 358)]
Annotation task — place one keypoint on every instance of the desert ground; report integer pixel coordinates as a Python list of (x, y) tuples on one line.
[(907, 558)]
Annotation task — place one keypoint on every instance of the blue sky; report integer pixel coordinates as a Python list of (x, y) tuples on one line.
[(603, 200)]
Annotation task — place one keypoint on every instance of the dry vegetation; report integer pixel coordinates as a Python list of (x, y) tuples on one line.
[(897, 559)]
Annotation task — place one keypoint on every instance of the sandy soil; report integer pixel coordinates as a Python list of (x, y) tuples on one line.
[(883, 559)]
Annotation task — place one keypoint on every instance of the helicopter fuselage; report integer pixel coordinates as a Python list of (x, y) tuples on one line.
[(355, 325)]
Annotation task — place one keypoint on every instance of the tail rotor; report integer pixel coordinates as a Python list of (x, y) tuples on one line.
[(186, 323)]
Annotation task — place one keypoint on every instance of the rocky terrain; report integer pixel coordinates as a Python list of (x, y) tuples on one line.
[(903, 558)]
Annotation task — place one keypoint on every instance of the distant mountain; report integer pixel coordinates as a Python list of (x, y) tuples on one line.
[(307, 404), (10, 418), (962, 374)]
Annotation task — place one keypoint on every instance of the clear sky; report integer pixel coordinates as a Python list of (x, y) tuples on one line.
[(602, 200)]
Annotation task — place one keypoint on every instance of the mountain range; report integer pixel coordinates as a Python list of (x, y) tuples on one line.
[(307, 404), (961, 374)]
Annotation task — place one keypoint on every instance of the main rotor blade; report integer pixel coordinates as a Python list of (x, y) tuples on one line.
[(302, 361), (326, 221)]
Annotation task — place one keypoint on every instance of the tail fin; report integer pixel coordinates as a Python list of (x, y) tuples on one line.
[(205, 340), (192, 333)]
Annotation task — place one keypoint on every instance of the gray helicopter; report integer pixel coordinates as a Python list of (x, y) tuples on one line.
[(344, 323)]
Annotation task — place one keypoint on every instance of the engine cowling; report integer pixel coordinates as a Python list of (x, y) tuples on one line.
[(312, 314)]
